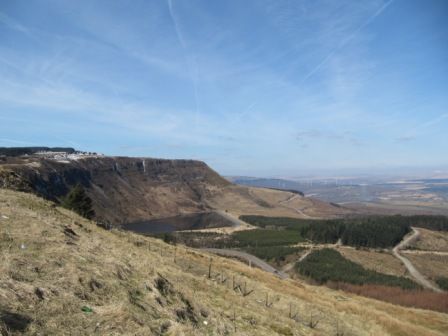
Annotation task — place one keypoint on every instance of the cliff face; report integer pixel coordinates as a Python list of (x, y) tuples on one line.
[(125, 190), (122, 189)]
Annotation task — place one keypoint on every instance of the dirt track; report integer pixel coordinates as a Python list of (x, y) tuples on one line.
[(418, 277), (299, 211), (249, 258)]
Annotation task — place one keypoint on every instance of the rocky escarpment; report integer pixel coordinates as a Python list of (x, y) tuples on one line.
[(122, 189)]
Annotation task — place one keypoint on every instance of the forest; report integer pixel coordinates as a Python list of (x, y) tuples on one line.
[(328, 265), (370, 231)]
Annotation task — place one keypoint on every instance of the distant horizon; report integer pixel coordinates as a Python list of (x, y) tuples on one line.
[(357, 173), (315, 173), (263, 88)]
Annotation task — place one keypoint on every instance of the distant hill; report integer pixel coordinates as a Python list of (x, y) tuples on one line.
[(272, 183)]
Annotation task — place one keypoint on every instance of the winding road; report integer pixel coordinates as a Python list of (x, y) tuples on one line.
[(253, 260), (418, 277), (299, 211), (249, 258)]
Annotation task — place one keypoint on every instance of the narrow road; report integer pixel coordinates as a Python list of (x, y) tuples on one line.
[(289, 199), (441, 253), (418, 277), (299, 211), (249, 258), (288, 267)]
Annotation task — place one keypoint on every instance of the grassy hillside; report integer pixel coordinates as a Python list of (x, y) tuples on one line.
[(61, 274)]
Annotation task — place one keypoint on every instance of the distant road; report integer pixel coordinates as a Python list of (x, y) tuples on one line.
[(299, 211), (441, 253), (249, 258), (418, 277)]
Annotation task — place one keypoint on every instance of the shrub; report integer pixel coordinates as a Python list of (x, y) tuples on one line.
[(78, 201), (169, 238), (442, 282)]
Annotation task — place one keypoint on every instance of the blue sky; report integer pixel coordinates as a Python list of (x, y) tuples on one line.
[(263, 87)]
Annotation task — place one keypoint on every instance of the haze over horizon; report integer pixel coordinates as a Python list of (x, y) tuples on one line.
[(258, 88)]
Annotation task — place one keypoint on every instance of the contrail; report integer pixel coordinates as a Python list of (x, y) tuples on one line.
[(18, 142), (176, 26), (344, 42), (335, 50), (413, 132), (11, 23), (192, 67), (434, 121)]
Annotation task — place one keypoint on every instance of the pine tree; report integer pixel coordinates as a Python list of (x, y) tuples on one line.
[(78, 201)]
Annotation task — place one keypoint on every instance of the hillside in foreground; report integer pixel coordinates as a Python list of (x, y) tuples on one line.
[(61, 274)]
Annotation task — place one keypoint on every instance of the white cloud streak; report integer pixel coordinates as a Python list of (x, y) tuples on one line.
[(191, 61), (13, 24), (346, 40)]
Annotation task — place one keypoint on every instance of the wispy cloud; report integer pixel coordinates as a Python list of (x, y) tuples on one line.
[(12, 24), (422, 128), (307, 137), (433, 121), (346, 40), (191, 60), (213, 77), (6, 141), (176, 26), (406, 138)]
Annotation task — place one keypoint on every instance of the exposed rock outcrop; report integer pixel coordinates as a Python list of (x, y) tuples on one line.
[(122, 189)]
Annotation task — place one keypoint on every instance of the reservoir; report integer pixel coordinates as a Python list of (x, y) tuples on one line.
[(196, 221)]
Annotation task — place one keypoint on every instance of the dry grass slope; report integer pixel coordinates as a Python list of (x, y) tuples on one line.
[(241, 200), (432, 241), (383, 262), (431, 265), (54, 263)]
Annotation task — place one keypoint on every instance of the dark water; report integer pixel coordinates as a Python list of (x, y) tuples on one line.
[(198, 221)]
